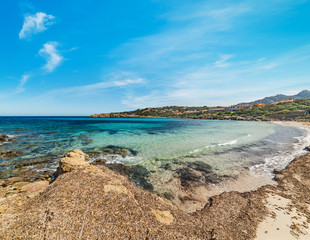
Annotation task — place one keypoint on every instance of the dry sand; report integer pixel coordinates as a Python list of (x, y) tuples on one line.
[(285, 221)]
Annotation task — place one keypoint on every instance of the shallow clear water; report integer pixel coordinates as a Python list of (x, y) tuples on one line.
[(160, 146)]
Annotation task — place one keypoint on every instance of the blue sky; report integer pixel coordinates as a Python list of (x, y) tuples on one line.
[(83, 57)]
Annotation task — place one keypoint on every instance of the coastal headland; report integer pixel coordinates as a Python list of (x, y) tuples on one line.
[(285, 110), (94, 202)]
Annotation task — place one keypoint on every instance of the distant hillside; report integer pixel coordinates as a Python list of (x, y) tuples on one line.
[(305, 94), (298, 109)]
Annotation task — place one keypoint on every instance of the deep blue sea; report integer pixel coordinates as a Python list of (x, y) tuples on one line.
[(160, 146)]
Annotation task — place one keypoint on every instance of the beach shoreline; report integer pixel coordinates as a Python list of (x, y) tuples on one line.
[(71, 203), (269, 210), (194, 197)]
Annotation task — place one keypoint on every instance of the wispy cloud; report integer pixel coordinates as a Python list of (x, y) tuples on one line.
[(35, 23), (20, 88), (96, 87), (223, 61), (239, 81), (51, 55), (201, 49)]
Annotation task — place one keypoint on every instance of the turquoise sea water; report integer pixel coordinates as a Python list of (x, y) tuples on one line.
[(161, 147)]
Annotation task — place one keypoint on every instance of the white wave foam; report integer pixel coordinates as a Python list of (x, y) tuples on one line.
[(11, 136), (283, 159), (195, 151), (115, 158), (228, 143)]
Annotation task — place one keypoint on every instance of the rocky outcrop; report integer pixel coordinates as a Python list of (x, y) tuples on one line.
[(95, 202), (72, 161), (3, 138)]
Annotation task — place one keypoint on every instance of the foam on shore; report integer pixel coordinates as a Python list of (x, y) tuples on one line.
[(284, 158)]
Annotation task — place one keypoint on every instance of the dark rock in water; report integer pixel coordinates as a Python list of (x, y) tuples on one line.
[(31, 163), (115, 148), (197, 173), (137, 174), (9, 154), (277, 171), (166, 166), (200, 166), (187, 176), (99, 161), (307, 148), (111, 149), (3, 138), (85, 140)]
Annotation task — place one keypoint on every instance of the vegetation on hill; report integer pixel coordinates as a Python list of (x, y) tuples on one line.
[(293, 110)]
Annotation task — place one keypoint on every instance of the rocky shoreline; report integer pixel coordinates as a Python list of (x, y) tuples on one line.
[(124, 115), (87, 201), (206, 117)]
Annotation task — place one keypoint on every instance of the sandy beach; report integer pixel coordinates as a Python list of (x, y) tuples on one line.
[(93, 202), (285, 220)]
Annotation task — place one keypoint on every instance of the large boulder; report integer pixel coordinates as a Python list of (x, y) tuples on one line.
[(72, 161)]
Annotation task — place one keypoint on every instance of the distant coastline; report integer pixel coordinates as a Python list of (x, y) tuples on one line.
[(285, 110)]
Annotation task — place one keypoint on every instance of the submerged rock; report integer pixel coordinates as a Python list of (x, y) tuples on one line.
[(120, 150), (31, 163), (137, 174), (197, 173), (9, 154), (111, 150)]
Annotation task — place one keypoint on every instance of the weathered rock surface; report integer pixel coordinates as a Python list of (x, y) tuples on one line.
[(35, 188), (95, 202), (277, 171), (72, 161)]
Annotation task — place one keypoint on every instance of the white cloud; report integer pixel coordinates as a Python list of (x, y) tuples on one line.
[(127, 82), (91, 88), (223, 61), (35, 23), (20, 88), (51, 55)]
